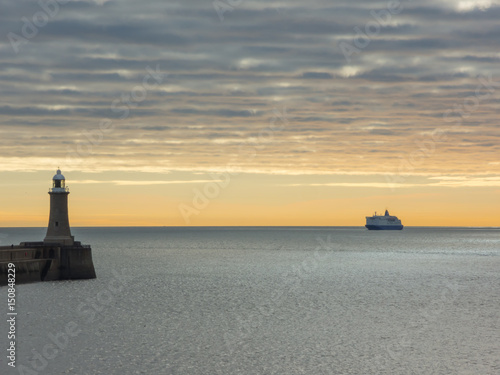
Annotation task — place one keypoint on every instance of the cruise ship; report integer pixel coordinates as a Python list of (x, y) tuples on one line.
[(386, 222)]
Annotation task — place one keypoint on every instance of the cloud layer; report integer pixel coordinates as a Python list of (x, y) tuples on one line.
[(264, 85)]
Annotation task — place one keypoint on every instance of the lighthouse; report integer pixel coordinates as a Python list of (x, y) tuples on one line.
[(58, 231), (58, 256)]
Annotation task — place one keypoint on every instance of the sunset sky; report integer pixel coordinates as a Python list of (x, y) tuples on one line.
[(250, 112)]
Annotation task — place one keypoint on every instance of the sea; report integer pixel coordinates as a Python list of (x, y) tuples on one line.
[(264, 300)]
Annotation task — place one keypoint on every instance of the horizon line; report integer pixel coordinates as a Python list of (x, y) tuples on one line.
[(258, 226)]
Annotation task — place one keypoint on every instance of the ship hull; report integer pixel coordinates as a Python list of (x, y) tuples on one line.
[(384, 227)]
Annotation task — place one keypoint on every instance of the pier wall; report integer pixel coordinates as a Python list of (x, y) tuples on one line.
[(45, 262)]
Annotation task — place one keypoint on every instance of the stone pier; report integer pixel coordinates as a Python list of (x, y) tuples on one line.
[(40, 261)]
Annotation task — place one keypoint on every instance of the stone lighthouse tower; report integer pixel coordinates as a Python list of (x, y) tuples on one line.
[(58, 231), (58, 256)]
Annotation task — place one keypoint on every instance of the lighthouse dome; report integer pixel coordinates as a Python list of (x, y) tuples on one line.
[(58, 176)]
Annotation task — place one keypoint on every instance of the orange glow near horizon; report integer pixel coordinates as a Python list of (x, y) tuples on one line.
[(246, 200)]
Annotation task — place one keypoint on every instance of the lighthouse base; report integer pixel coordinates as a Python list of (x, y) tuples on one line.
[(39, 261), (64, 240)]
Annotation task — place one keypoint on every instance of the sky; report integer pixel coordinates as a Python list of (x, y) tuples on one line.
[(248, 112)]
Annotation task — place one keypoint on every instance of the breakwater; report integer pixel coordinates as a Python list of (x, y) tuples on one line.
[(40, 261)]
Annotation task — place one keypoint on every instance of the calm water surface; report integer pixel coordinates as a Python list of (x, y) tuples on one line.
[(324, 300)]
